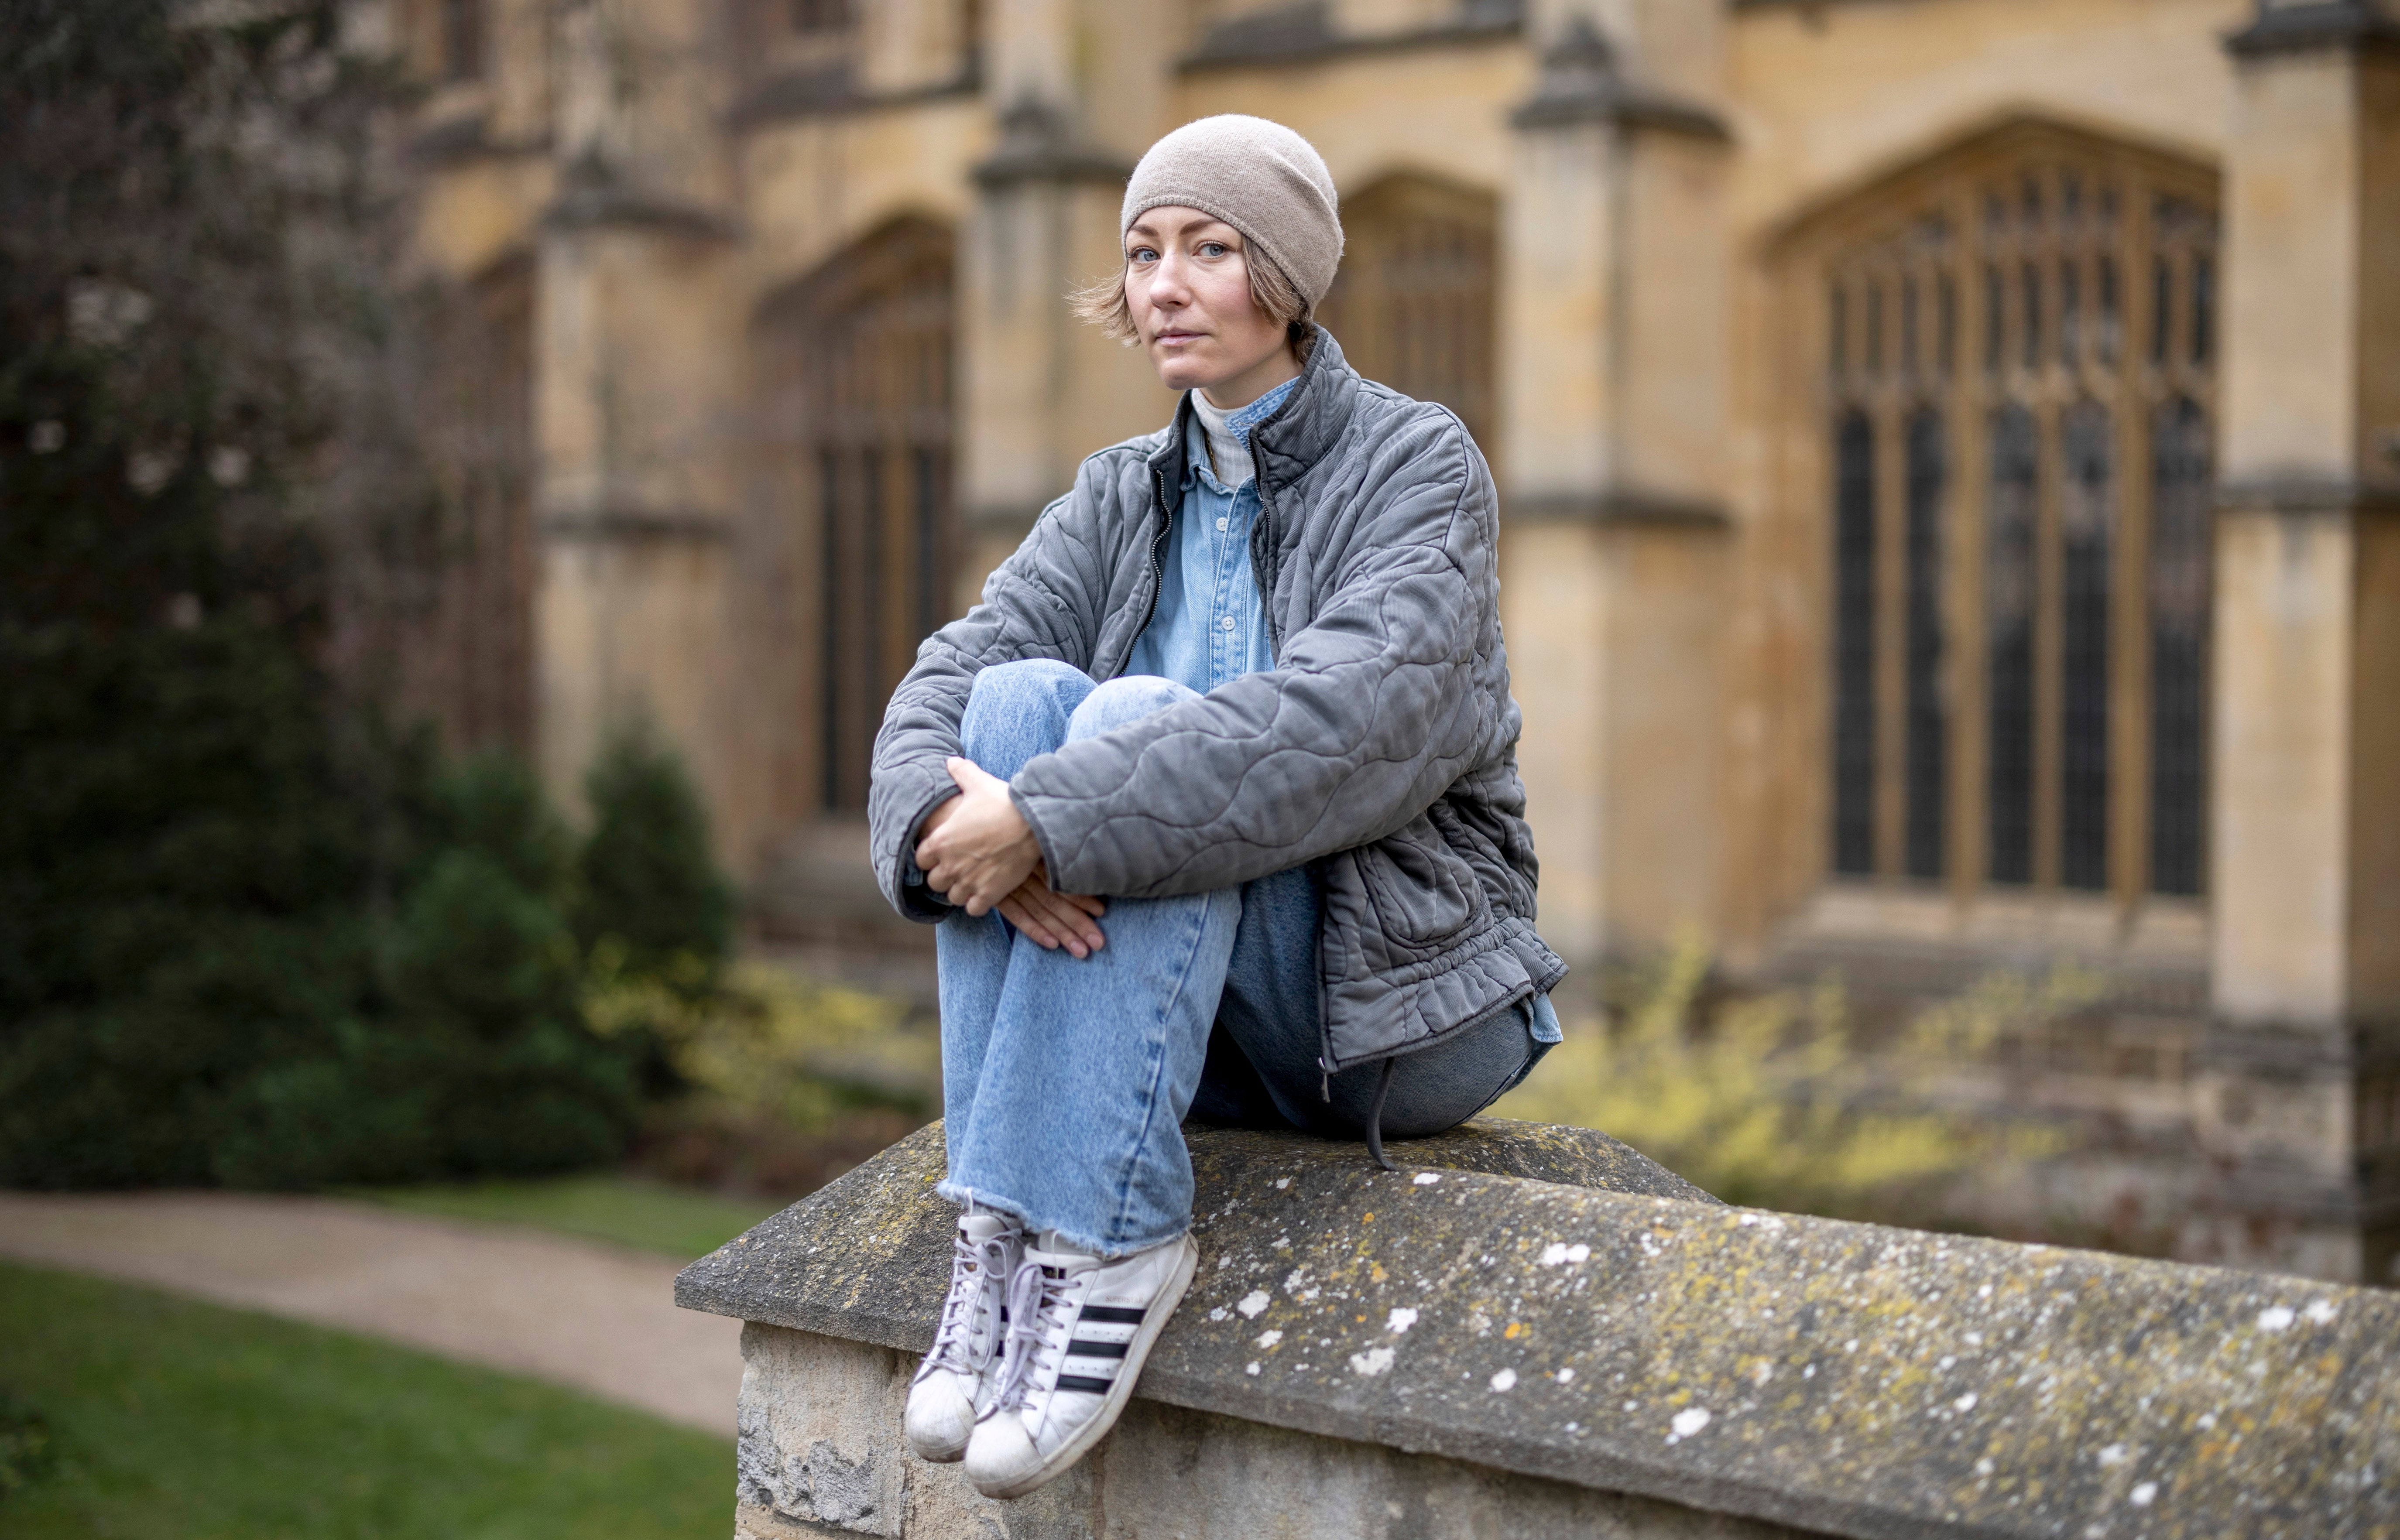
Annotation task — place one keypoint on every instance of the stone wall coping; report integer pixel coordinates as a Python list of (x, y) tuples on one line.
[(1547, 1301)]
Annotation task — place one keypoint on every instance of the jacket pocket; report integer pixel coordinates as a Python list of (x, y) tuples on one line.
[(1425, 893)]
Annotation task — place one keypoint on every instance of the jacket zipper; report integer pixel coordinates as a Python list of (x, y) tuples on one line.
[(1263, 568), (1262, 549), (1158, 563)]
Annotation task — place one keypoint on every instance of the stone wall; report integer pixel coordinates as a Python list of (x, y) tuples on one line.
[(820, 1451), (1534, 1330)]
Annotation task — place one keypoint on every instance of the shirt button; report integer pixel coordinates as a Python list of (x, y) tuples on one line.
[(1227, 622), (1223, 522)]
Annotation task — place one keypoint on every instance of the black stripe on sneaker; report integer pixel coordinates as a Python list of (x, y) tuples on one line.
[(1085, 1382), (1079, 1348), (1116, 1315)]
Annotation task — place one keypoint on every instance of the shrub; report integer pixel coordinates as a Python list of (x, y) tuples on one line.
[(245, 934), (479, 1058), (181, 873), (781, 1081), (1768, 1100), (649, 883), (771, 1046)]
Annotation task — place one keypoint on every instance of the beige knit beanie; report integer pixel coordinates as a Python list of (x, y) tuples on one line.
[(1259, 177)]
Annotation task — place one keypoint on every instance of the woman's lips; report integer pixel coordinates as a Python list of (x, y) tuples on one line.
[(1171, 339)]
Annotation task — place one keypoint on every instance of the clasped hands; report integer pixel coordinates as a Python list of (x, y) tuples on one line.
[(977, 853)]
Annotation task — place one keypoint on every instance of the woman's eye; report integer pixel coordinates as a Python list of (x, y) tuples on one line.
[(1212, 248), (1141, 253)]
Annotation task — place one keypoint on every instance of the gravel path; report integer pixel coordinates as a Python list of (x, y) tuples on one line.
[(593, 1316)]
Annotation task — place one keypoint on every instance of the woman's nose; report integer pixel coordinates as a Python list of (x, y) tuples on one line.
[(1168, 281)]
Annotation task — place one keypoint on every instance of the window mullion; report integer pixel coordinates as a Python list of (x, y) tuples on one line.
[(2049, 642), (2129, 750), (1969, 404), (1892, 614)]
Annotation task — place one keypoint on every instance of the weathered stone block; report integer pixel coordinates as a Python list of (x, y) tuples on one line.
[(1466, 1346), (820, 1453)]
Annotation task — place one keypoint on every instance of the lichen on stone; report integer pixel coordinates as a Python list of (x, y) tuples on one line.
[(1596, 1324)]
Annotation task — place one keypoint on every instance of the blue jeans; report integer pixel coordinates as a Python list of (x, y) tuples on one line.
[(1065, 1082)]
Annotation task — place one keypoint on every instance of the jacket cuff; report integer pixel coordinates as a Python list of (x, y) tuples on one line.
[(1041, 837), (905, 884)]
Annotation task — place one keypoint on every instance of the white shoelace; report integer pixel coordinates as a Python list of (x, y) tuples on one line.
[(1035, 1299), (974, 1278)]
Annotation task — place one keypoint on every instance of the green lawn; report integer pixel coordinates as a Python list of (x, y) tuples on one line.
[(172, 1418), (651, 1216)]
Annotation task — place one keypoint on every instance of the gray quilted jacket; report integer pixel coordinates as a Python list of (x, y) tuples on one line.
[(1382, 746)]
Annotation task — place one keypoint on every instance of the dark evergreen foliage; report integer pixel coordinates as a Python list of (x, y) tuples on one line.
[(247, 934), (649, 883)]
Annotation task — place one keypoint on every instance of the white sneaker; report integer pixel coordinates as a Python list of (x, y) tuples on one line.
[(952, 1384), (1079, 1328)]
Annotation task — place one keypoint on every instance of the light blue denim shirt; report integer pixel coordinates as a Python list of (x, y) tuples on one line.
[(1210, 627)]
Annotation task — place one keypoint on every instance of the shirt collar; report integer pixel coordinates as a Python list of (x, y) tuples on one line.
[(1195, 436), (1262, 409), (1317, 415)]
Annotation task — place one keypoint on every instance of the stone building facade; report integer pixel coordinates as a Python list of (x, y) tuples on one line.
[(1949, 450)]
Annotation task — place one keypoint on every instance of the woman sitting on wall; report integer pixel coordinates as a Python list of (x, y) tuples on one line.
[(1246, 680)]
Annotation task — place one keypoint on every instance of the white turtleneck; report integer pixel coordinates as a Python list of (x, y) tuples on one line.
[(1229, 452)]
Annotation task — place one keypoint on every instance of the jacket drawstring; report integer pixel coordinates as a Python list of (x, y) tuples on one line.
[(1376, 1115)]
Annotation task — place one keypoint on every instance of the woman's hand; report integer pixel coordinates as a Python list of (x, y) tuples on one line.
[(978, 853), (1055, 919)]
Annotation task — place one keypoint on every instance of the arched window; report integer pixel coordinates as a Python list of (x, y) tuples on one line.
[(2018, 442), (466, 662), (1413, 304), (856, 371), (462, 39)]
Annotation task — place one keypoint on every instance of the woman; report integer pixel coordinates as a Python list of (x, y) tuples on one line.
[(1246, 680)]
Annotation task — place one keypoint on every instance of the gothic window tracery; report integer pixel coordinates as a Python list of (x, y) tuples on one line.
[(2018, 523), (1413, 304)]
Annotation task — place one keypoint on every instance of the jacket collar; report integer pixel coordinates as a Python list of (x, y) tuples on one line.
[(1295, 436)]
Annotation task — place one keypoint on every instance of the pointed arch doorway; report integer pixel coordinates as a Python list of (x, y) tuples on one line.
[(858, 435)]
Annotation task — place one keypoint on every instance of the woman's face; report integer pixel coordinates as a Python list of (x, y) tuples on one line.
[(1188, 285)]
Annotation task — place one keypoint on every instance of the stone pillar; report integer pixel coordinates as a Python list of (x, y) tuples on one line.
[(1613, 555), (2305, 861), (1078, 92), (637, 457)]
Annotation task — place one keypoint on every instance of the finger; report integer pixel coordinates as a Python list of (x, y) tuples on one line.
[(1070, 924), (966, 772), (1067, 916), (1019, 913), (1026, 913), (1080, 936), (1090, 904), (1071, 912)]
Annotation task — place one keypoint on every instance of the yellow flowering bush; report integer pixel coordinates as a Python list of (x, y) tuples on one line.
[(1769, 1099)]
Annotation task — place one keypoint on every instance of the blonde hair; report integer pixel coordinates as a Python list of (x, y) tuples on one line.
[(1105, 306)]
